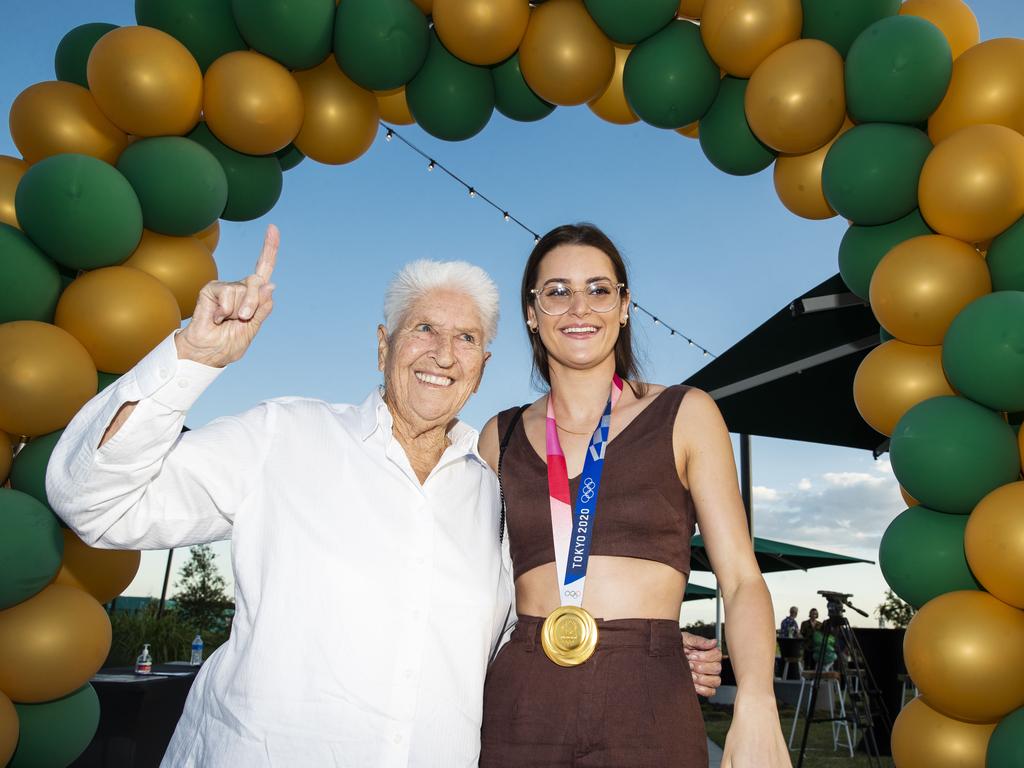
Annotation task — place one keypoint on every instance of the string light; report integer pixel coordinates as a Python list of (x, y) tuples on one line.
[(432, 164)]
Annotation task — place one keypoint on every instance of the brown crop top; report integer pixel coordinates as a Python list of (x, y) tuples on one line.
[(643, 510)]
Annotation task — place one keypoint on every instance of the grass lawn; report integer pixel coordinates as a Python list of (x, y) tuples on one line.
[(819, 740)]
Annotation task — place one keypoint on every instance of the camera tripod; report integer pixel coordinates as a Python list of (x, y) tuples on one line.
[(869, 710)]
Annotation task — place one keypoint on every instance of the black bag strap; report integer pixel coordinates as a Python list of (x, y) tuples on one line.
[(501, 455)]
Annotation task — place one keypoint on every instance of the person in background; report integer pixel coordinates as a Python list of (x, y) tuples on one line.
[(789, 626), (807, 629)]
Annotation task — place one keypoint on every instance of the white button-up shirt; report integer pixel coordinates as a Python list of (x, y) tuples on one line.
[(366, 603)]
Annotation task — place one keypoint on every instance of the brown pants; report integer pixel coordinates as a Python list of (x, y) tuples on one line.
[(631, 704)]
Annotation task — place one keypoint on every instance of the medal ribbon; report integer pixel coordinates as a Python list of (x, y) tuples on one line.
[(572, 529)]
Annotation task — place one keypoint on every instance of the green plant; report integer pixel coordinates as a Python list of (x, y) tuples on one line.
[(201, 601), (894, 611), (168, 637)]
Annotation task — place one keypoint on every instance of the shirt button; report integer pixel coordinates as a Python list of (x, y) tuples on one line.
[(398, 738), (420, 561), (408, 674), (183, 383), (164, 373)]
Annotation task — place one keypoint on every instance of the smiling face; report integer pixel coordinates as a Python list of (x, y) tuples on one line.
[(581, 338), (433, 361)]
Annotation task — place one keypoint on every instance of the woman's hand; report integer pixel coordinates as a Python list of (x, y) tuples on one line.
[(229, 315), (705, 661), (755, 737)]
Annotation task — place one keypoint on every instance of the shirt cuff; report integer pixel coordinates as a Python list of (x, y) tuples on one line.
[(174, 383)]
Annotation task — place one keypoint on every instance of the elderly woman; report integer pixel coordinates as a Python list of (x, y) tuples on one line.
[(370, 586)]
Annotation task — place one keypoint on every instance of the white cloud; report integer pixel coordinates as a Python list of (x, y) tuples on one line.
[(804, 484), (763, 493)]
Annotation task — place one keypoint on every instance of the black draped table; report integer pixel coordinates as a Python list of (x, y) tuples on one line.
[(138, 714)]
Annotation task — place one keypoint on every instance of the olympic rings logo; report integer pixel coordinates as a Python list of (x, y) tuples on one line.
[(587, 492), (572, 593)]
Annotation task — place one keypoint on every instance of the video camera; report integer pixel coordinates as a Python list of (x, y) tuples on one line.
[(836, 601)]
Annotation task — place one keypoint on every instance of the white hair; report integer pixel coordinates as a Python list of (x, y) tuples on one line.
[(418, 278)]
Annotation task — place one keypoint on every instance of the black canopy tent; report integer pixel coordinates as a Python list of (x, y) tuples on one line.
[(792, 377)]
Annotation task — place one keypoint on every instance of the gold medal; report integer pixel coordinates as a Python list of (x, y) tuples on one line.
[(569, 636)]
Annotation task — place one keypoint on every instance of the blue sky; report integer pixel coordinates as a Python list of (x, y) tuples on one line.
[(714, 255)]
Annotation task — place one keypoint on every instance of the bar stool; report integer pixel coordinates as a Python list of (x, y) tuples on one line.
[(835, 696), (798, 661)]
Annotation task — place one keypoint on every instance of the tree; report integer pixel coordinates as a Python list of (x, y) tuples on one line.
[(201, 599), (894, 611)]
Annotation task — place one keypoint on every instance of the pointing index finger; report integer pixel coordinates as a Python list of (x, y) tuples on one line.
[(268, 256)]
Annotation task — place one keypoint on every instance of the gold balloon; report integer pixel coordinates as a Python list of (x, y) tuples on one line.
[(482, 32), (924, 738), (612, 105), (796, 100), (987, 87), (565, 57), (893, 378), (798, 181), (46, 375), (103, 573), (6, 456), (425, 5), (183, 264), (910, 500), (53, 643), (393, 107), (691, 9), (963, 653), (953, 18), (251, 103), (691, 131), (923, 283), (739, 34), (8, 729), (210, 236), (994, 543), (55, 117), (146, 82), (972, 184), (11, 171), (341, 118), (119, 314)]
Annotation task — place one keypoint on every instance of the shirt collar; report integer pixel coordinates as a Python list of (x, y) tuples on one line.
[(374, 415)]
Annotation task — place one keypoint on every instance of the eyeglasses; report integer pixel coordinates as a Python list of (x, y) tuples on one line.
[(556, 298)]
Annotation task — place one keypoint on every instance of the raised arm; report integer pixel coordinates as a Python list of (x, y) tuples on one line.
[(755, 737), (123, 475)]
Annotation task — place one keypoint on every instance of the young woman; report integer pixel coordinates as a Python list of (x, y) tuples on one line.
[(604, 479)]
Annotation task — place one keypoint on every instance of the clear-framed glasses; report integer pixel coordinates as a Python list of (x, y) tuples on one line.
[(556, 298)]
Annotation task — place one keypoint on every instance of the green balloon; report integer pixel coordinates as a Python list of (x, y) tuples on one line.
[(55, 733), (105, 379), (1006, 745), (669, 79), (725, 136), (449, 98), (28, 471), (922, 555), (863, 247), (254, 182), (897, 71), (80, 211), (871, 172), (180, 185), (74, 49), (297, 33), (949, 453), (289, 157), (1006, 259), (513, 97), (206, 27), (380, 44), (839, 22), (983, 351), (630, 21), (29, 282), (31, 546)]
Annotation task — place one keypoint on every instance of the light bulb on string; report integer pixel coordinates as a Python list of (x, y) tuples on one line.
[(388, 135), (505, 215), (472, 192), (431, 165)]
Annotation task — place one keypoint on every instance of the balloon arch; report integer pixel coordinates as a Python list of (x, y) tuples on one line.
[(892, 116)]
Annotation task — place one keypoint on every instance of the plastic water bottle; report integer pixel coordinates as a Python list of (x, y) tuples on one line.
[(144, 664), (197, 651)]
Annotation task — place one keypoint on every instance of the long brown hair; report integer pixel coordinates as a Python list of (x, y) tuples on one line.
[(583, 233)]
